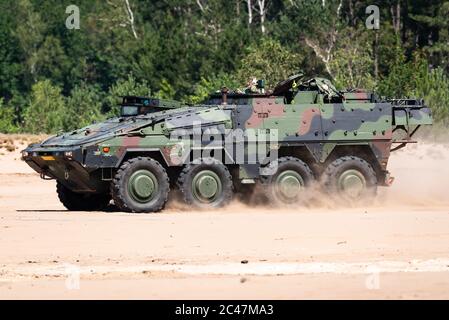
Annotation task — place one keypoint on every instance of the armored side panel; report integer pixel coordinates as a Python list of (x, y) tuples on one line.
[(310, 120)]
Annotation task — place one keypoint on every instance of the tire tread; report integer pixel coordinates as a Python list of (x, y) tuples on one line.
[(117, 185)]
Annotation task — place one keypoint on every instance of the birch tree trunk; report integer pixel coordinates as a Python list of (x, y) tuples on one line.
[(262, 13), (250, 11), (376, 55), (396, 17), (131, 19)]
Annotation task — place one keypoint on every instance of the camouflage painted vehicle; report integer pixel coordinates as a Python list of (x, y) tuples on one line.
[(304, 131)]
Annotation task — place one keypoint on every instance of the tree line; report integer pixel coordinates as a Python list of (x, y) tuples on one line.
[(55, 78)]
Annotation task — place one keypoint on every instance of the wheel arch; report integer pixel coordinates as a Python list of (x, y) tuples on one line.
[(303, 152), (154, 153), (363, 151)]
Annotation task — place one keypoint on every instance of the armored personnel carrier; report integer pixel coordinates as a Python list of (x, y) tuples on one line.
[(302, 133)]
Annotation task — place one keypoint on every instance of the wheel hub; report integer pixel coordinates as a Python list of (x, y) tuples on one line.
[(206, 186), (289, 184), (142, 185), (352, 183)]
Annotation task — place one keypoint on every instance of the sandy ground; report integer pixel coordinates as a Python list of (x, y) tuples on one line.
[(396, 248)]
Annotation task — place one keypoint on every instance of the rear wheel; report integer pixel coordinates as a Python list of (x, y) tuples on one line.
[(206, 183), (351, 179), (140, 185), (287, 181), (74, 201)]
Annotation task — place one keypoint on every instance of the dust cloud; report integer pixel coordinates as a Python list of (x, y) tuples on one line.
[(421, 173)]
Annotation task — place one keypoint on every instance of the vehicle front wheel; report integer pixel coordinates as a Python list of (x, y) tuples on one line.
[(74, 201), (140, 185)]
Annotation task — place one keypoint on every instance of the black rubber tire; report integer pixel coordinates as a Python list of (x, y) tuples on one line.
[(74, 201), (336, 168), (189, 172), (283, 164), (119, 186)]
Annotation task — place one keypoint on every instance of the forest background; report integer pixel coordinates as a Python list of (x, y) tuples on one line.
[(57, 73)]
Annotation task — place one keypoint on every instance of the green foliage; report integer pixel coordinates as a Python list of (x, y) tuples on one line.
[(45, 112), (126, 87), (50, 61), (432, 19), (207, 86), (268, 60), (185, 49), (82, 107), (400, 80), (352, 62), (433, 87), (166, 90), (7, 119), (414, 80), (30, 34)]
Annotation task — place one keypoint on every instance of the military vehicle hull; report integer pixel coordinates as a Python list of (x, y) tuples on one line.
[(285, 141)]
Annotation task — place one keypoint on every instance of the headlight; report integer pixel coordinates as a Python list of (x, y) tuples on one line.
[(68, 154), (25, 154)]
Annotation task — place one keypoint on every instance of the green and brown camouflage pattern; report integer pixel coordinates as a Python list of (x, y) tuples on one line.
[(312, 121)]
